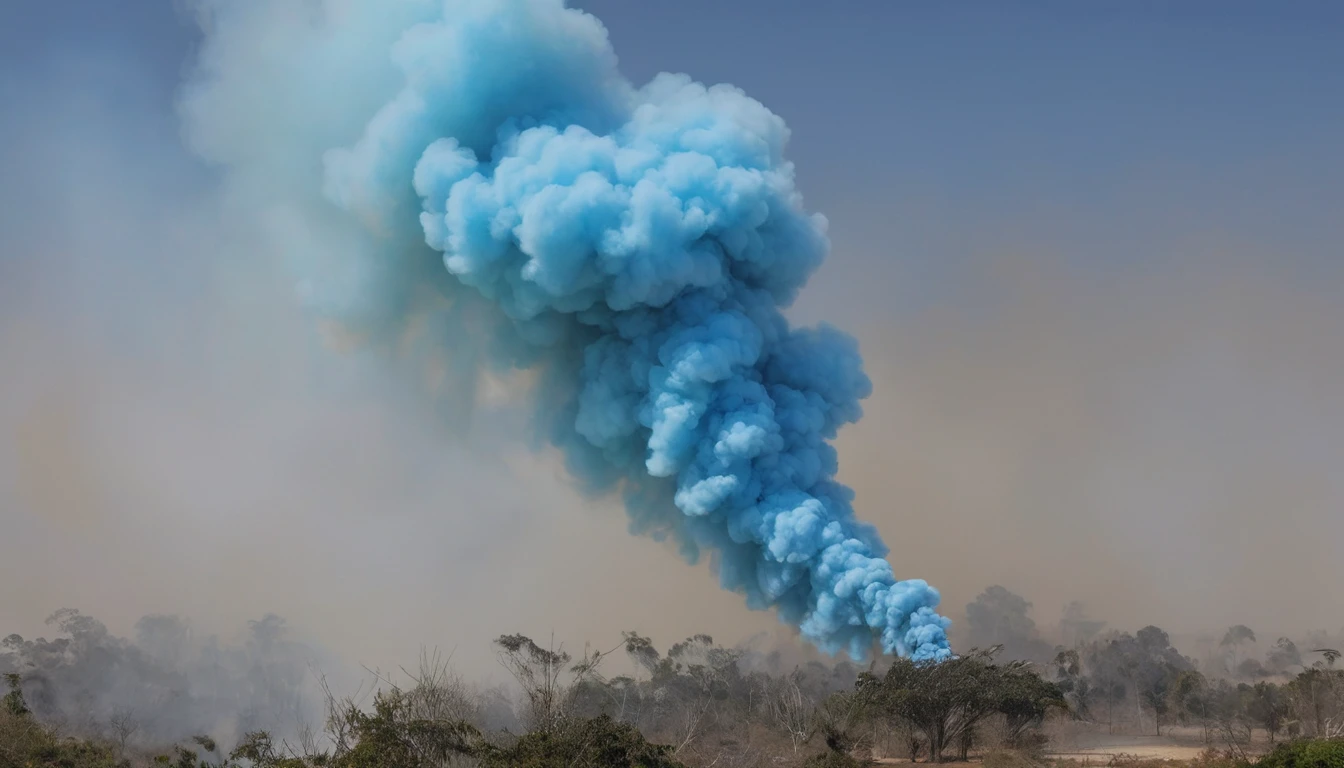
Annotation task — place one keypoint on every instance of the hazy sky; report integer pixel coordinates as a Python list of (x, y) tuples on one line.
[(1092, 251)]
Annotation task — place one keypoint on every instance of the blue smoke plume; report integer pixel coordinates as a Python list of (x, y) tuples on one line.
[(639, 243)]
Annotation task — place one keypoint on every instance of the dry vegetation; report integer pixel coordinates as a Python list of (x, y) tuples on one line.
[(89, 700)]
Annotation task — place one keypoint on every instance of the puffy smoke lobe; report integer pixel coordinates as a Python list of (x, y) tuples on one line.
[(634, 248)]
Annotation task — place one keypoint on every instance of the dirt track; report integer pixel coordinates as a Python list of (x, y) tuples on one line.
[(1081, 741)]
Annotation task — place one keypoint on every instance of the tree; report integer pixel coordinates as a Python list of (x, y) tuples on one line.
[(122, 725), (1025, 699), (1283, 656), (1076, 628), (1155, 693), (1155, 668), (1000, 617), (538, 671), (14, 702), (1190, 697), (1269, 708), (699, 698), (1076, 687), (1235, 637), (1317, 697), (1228, 709), (789, 707), (1142, 667), (946, 700)]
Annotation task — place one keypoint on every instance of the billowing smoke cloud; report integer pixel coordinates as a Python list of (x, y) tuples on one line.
[(505, 200)]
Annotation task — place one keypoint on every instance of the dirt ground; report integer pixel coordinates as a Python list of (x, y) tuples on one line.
[(1083, 741), (1091, 744)]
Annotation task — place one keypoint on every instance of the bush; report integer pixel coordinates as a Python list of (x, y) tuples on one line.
[(1219, 758), (833, 759), (1305, 754), (1009, 758), (599, 742), (24, 743)]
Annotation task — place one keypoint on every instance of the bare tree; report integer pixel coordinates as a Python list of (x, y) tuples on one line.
[(1235, 733), (122, 725), (340, 729), (1235, 637), (789, 707), (438, 693), (538, 671), (839, 717), (547, 677)]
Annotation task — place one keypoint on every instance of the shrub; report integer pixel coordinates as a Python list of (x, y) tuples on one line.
[(1009, 758), (25, 743), (598, 742), (833, 759), (1305, 754)]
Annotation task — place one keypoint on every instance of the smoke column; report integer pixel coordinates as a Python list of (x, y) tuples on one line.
[(631, 250)]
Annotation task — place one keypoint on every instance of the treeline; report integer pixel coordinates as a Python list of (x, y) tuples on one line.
[(704, 703), (1142, 682), (1143, 674), (697, 704), (1001, 617), (167, 697)]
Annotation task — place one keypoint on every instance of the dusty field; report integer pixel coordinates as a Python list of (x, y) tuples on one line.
[(1093, 744), (1090, 744), (1153, 749)]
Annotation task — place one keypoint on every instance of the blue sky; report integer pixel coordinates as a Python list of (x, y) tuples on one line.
[(1092, 250)]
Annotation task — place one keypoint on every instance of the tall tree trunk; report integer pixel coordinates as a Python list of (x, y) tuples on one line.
[(967, 736), (936, 742), (1316, 709), (1138, 711)]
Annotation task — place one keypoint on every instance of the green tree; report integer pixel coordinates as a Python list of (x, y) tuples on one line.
[(1283, 656), (1001, 617), (1236, 637), (945, 701), (392, 737), (14, 703), (1190, 698), (1075, 686), (1024, 698), (1269, 708), (1142, 667), (1317, 697)]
